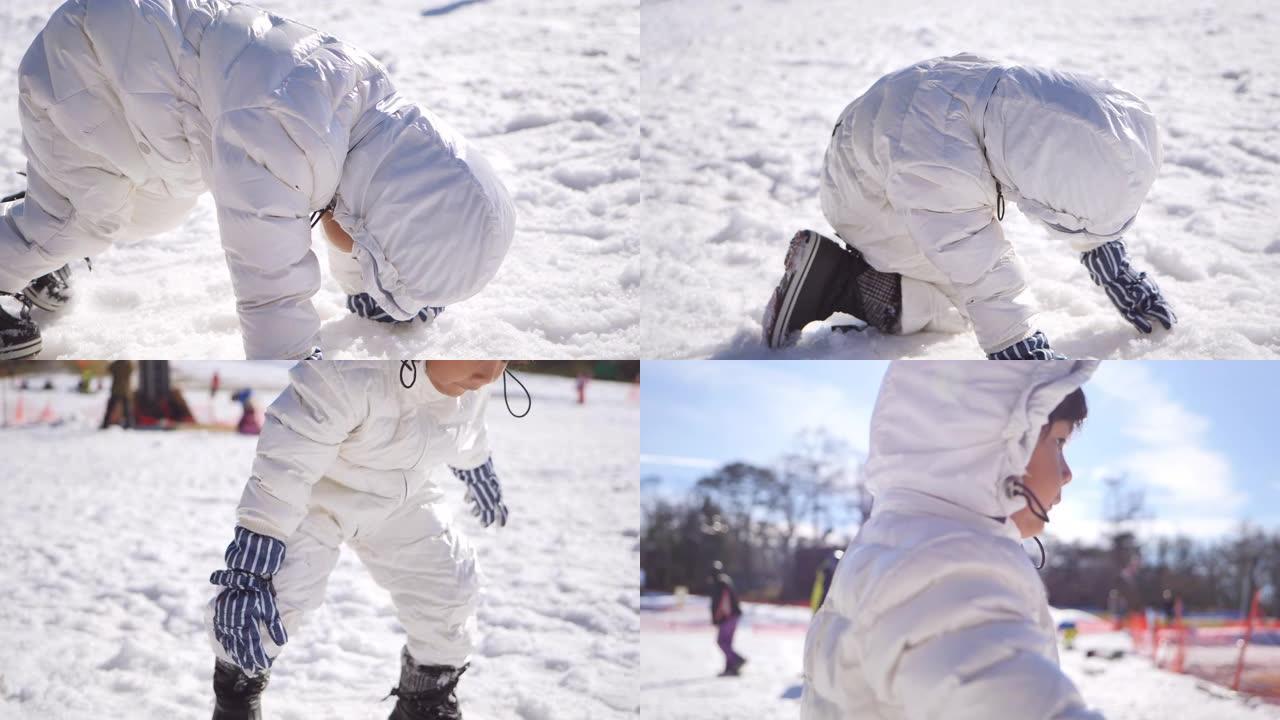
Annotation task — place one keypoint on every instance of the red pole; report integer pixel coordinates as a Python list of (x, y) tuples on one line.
[(1180, 657), (1248, 635)]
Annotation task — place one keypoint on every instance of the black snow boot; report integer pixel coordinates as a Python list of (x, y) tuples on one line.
[(19, 335), (50, 292), (239, 697), (822, 277), (426, 691)]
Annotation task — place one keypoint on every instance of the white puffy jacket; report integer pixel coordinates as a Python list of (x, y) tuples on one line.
[(935, 612), (910, 176), (131, 109), (351, 432)]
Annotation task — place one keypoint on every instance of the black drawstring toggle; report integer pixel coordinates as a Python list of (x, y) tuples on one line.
[(412, 367), (999, 202), (408, 365), (1015, 488), (507, 400)]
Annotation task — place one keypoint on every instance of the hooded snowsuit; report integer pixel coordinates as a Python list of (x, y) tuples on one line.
[(935, 612), (910, 180), (131, 110), (346, 456)]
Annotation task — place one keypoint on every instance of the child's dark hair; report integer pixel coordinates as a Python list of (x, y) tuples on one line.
[(1073, 409)]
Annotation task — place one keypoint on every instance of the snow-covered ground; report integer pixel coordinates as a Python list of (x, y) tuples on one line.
[(109, 539), (740, 97), (547, 89), (680, 660)]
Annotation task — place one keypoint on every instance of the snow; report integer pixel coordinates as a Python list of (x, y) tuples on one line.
[(544, 89), (107, 558), (741, 98), (680, 660)]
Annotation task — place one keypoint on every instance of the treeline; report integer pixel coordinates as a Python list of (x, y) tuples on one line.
[(1208, 576), (772, 527)]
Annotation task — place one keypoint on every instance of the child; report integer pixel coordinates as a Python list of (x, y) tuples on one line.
[(915, 182), (935, 610), (345, 456), (131, 111)]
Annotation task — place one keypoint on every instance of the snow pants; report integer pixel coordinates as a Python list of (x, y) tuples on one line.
[(84, 190), (724, 638), (415, 554), (863, 218)]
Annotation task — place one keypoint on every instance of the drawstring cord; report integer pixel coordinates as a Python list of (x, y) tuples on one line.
[(411, 366), (507, 400), (1016, 487), (999, 202), (1043, 558), (315, 216)]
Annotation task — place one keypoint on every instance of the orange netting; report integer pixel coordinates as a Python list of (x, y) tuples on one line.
[(1243, 655)]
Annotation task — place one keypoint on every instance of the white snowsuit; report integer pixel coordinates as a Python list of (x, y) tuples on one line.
[(131, 110), (935, 612), (910, 179), (346, 456)]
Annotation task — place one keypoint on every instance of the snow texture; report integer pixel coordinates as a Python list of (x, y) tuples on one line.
[(110, 538), (740, 99), (679, 662), (546, 90)]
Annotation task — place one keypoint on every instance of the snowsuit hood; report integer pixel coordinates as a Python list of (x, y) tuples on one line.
[(1074, 152), (430, 219), (935, 611), (957, 430)]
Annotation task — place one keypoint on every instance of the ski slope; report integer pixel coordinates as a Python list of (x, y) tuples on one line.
[(680, 660), (544, 89), (741, 96), (110, 538)]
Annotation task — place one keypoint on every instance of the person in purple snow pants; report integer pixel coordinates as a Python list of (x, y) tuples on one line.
[(725, 612)]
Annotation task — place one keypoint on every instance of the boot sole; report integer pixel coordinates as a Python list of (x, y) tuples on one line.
[(31, 348), (800, 255)]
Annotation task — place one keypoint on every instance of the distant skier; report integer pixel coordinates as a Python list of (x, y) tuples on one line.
[(936, 611), (130, 111), (120, 406), (725, 613), (915, 182), (248, 423), (346, 457)]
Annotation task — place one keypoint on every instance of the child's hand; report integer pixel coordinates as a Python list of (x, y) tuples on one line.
[(1135, 295), (1035, 347), (248, 600), (484, 493)]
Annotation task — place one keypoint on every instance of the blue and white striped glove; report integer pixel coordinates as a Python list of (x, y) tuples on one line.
[(1134, 294), (1035, 347), (248, 599), (484, 493), (365, 306)]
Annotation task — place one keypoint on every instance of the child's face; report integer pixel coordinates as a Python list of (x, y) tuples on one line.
[(454, 377), (1046, 475)]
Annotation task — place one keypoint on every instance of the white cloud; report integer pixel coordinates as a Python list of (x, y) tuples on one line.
[(795, 400), (676, 461), (1190, 487)]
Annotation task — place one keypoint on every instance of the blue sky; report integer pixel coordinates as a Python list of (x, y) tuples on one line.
[(1201, 437)]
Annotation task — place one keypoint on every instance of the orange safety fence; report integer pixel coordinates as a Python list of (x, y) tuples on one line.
[(1243, 655)]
